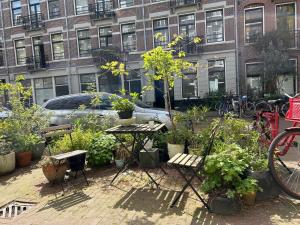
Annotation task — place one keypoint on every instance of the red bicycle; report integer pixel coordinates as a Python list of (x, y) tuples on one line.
[(284, 152)]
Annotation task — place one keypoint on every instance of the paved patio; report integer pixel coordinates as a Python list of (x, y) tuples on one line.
[(131, 201)]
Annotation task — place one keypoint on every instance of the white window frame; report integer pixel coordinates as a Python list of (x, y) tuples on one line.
[(51, 46), (82, 29), (186, 14), (224, 26), (160, 18), (263, 23), (15, 50)]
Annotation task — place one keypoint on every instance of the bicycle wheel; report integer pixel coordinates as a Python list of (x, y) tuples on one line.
[(285, 165), (249, 110), (217, 106), (284, 108), (263, 107)]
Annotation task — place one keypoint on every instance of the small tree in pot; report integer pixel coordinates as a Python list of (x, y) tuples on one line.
[(176, 140)]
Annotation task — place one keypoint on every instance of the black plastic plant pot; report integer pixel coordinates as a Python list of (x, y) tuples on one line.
[(125, 114), (77, 163), (224, 206)]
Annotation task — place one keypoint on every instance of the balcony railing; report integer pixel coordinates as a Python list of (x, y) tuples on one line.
[(106, 54), (101, 10), (182, 3), (36, 63), (33, 22), (188, 45)]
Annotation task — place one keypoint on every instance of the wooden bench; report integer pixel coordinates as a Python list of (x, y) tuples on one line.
[(75, 158)]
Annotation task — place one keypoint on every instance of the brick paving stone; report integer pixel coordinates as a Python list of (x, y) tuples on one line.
[(131, 201)]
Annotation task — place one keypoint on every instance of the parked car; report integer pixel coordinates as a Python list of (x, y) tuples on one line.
[(4, 112), (59, 108)]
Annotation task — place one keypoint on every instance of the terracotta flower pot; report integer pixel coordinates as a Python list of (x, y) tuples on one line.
[(55, 173), (23, 159)]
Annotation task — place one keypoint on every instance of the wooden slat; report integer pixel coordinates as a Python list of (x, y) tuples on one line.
[(182, 157), (197, 161), (174, 157), (57, 133), (56, 128), (183, 162), (68, 155), (192, 159)]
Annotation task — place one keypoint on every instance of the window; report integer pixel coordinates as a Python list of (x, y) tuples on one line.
[(35, 7), (27, 85), (16, 11), (20, 52), (84, 43), (128, 37), (43, 90), (105, 37), (214, 26), (286, 20), (82, 6), (287, 81), (87, 82), (61, 86), (54, 9), (190, 86), (254, 75), (58, 46), (126, 3), (109, 83), (187, 25), (133, 81), (253, 24), (216, 76), (161, 26)]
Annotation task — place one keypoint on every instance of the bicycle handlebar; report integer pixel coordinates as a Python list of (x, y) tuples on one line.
[(297, 95)]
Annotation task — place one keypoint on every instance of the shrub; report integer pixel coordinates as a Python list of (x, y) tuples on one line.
[(101, 150)]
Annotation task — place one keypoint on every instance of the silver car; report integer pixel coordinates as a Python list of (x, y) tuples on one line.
[(60, 108)]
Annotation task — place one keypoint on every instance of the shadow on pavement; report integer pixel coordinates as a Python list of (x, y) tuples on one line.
[(152, 201), (65, 202)]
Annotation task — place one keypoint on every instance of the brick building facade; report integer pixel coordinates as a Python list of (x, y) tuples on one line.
[(58, 44), (256, 18)]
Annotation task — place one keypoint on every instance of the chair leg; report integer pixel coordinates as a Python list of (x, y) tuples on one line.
[(183, 188), (119, 172), (189, 184), (86, 180)]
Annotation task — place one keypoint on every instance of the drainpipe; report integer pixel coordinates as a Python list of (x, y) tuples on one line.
[(68, 46), (4, 44), (144, 25), (236, 47)]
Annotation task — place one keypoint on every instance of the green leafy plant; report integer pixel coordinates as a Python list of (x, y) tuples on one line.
[(25, 123), (178, 136), (101, 150), (26, 142), (5, 147), (224, 172), (81, 140), (123, 104)]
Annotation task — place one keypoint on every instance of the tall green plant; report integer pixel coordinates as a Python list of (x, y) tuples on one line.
[(24, 123)]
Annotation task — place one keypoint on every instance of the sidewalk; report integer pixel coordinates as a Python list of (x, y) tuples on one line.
[(130, 201)]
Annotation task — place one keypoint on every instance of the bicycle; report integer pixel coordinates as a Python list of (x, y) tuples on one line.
[(238, 105), (284, 154), (269, 105)]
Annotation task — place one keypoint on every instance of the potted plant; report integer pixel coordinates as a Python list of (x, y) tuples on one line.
[(121, 155), (225, 182), (195, 144), (123, 105), (7, 158), (24, 145), (100, 152), (176, 141), (53, 171)]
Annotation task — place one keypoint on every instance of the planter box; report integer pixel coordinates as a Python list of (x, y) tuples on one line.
[(267, 183), (149, 159), (7, 163), (23, 159), (224, 206)]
